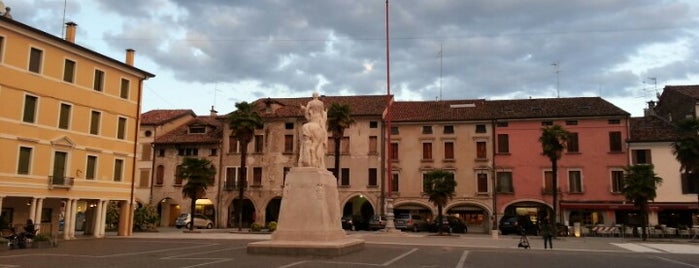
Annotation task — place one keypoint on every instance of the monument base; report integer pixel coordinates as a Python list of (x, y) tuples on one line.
[(302, 248), (309, 218)]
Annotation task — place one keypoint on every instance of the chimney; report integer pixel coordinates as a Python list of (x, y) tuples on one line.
[(70, 31), (213, 112), (129, 56)]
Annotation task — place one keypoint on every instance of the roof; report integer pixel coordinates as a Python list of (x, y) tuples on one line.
[(691, 91), (181, 134), (74, 45), (452, 110), (159, 117), (361, 105), (553, 108), (651, 129)]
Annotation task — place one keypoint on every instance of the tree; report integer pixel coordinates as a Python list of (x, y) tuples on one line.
[(338, 120), (199, 174), (553, 141), (640, 185), (243, 122), (439, 186), (686, 150)]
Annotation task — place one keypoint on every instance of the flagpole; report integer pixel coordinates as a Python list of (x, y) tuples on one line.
[(390, 226)]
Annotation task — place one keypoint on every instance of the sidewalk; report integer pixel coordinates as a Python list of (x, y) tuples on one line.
[(598, 244)]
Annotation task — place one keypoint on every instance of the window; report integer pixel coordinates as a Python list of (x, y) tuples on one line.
[(232, 145), (373, 144), (394, 131), (331, 146), (125, 88), (159, 175), (95, 122), (448, 150), (426, 129), (503, 143), (690, 183), (345, 176), (213, 152), (98, 83), (69, 71), (35, 59), (373, 177), (178, 175), (121, 128), (481, 150), (145, 151), (617, 181), (143, 179), (482, 182), (575, 181), (59, 168), (188, 151), (345, 145), (480, 129), (615, 141), (641, 157), (2, 45), (395, 182), (257, 176), (426, 151), (25, 159), (231, 178), (285, 172), (289, 125), (197, 130), (548, 182), (504, 180), (64, 116), (448, 129), (572, 122), (30, 105), (258, 143), (394, 151), (373, 124), (572, 143), (614, 121), (547, 123), (161, 152), (91, 169), (118, 169)]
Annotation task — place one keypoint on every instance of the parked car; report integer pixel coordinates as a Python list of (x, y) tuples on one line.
[(347, 223), (200, 221), (411, 222), (515, 225), (377, 222), (450, 224)]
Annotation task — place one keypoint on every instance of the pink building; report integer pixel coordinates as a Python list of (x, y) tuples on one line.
[(590, 171)]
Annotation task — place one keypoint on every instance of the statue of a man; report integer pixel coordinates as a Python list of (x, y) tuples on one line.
[(314, 137)]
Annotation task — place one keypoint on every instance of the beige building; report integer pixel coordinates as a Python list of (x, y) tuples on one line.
[(68, 131)]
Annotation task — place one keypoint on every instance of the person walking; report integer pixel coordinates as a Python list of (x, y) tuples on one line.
[(547, 233)]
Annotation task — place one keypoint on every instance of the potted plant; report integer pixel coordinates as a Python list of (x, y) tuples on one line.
[(42, 241)]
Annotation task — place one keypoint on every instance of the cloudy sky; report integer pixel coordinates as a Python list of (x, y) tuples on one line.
[(218, 52)]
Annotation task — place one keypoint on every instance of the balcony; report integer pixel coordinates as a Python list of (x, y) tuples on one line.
[(60, 182)]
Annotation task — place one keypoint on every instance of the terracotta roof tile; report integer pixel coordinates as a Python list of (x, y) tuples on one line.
[(451, 110), (651, 129), (553, 108), (688, 90), (181, 134), (158, 117)]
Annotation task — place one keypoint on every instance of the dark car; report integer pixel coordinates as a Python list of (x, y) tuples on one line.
[(347, 223), (515, 225), (450, 224), (377, 222)]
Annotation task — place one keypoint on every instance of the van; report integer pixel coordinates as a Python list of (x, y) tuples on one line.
[(411, 222)]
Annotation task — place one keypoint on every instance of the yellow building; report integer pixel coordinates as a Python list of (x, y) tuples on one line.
[(68, 131)]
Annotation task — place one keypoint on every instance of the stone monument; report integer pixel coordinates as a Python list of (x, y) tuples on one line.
[(309, 217)]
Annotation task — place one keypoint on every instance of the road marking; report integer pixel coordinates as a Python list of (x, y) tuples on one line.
[(399, 257), (293, 264), (635, 247), (674, 248), (462, 260)]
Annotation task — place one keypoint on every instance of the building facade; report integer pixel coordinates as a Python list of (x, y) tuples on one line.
[(68, 127)]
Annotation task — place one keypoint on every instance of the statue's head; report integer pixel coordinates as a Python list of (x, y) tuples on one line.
[(315, 95)]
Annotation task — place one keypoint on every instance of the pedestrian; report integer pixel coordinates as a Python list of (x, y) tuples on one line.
[(547, 233)]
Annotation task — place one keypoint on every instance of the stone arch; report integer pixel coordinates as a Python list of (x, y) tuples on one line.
[(476, 215), (415, 205), (360, 208)]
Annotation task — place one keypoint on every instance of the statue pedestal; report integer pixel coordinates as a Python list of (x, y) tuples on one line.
[(309, 218)]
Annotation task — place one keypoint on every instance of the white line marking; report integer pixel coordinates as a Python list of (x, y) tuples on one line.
[(635, 247), (674, 248), (399, 257), (293, 264), (462, 260)]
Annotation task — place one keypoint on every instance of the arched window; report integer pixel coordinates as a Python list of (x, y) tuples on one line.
[(159, 175)]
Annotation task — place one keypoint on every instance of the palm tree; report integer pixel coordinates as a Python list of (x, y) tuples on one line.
[(686, 150), (199, 174), (243, 122), (338, 120), (439, 186), (640, 185), (553, 141)]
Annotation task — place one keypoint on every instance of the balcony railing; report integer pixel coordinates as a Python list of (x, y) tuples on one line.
[(60, 182)]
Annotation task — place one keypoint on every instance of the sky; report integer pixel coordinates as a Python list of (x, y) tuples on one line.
[(219, 52)]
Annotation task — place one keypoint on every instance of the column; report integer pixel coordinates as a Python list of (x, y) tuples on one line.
[(37, 214), (32, 209), (67, 219), (74, 209), (97, 218), (125, 219), (1, 197), (103, 218)]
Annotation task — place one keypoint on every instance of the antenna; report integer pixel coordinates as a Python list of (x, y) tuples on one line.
[(655, 84), (441, 54), (557, 70), (63, 27)]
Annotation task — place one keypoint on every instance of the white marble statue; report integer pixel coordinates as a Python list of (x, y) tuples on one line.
[(314, 136)]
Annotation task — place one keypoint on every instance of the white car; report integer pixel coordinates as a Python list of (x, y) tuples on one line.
[(200, 221)]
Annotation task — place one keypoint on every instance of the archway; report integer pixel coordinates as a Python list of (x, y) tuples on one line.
[(534, 211), (168, 210), (272, 210), (248, 213), (475, 216), (360, 209), (206, 208), (413, 208)]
